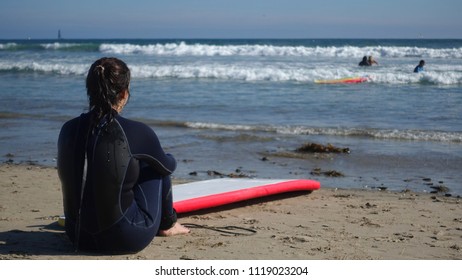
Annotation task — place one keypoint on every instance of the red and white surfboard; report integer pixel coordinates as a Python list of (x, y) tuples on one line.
[(211, 193)]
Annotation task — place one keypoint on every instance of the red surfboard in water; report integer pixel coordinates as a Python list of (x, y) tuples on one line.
[(349, 80)]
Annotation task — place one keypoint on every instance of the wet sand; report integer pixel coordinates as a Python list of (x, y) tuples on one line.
[(328, 224)]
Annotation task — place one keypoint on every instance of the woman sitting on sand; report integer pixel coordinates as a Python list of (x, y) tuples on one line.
[(115, 175)]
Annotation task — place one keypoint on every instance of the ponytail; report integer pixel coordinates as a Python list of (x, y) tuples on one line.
[(107, 79)]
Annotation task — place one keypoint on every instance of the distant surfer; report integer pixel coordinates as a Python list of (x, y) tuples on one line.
[(419, 68), (364, 62), (368, 61), (372, 61)]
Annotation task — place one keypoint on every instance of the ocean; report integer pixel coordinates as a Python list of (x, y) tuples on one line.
[(242, 107)]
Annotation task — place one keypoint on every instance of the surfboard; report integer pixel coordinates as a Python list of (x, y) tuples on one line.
[(349, 80), (217, 192)]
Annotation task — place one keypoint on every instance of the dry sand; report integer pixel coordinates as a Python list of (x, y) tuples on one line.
[(326, 224)]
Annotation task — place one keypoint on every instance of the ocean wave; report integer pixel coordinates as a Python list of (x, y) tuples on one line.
[(83, 47), (183, 49), (43, 67), (391, 134), (287, 73), (224, 72), (248, 72), (50, 46), (231, 49), (387, 134), (428, 78), (8, 46)]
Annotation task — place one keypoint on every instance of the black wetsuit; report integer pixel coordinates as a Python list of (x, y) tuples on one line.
[(127, 195), (364, 63)]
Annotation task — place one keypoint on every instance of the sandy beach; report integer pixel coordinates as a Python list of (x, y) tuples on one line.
[(329, 224)]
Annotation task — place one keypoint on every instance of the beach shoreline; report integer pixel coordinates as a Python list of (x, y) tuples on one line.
[(228, 104), (327, 224)]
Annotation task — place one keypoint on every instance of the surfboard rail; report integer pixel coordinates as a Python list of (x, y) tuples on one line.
[(223, 193)]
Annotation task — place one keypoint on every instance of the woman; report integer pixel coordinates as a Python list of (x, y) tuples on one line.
[(115, 175)]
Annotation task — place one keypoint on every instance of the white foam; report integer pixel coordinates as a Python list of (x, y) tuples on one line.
[(57, 46), (45, 67), (252, 72), (390, 134), (183, 49), (8, 46)]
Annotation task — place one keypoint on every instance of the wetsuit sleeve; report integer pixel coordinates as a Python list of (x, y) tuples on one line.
[(145, 145)]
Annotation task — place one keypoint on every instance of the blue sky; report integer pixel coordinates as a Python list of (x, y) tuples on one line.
[(39, 19)]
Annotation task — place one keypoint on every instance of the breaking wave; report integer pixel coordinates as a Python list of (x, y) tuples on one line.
[(391, 134)]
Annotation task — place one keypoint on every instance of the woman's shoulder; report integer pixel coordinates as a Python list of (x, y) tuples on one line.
[(131, 122), (134, 126), (75, 121)]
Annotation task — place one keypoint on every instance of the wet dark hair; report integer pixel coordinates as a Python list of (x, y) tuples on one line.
[(107, 79)]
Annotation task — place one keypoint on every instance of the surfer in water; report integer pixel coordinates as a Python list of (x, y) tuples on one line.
[(419, 68), (368, 61), (364, 62), (114, 173), (372, 61)]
